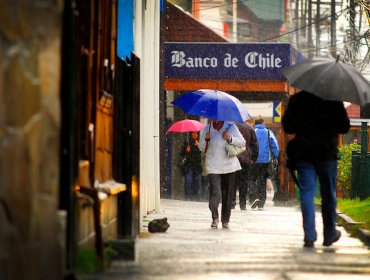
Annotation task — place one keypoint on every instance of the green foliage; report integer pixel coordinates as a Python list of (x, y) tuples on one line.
[(87, 261), (109, 254), (358, 210), (345, 168)]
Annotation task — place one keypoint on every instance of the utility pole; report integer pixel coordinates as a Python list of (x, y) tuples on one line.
[(235, 25), (318, 31), (303, 16), (296, 22), (333, 30), (309, 34), (352, 14)]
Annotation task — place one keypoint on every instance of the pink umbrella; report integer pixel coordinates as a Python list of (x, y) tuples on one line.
[(186, 126)]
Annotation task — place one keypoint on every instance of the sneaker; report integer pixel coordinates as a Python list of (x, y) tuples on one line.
[(260, 208), (225, 225), (308, 244), (255, 203), (214, 223), (243, 208), (329, 243)]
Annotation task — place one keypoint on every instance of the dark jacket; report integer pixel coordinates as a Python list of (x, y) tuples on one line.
[(316, 124), (251, 153), (193, 158)]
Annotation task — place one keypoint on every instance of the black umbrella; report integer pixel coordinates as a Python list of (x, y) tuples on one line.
[(330, 79)]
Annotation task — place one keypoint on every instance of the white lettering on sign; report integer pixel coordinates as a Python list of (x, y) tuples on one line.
[(230, 61), (254, 59), (179, 59), (251, 60)]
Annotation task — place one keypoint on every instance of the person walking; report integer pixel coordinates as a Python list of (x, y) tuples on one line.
[(245, 177), (220, 168), (192, 168), (267, 147), (314, 153)]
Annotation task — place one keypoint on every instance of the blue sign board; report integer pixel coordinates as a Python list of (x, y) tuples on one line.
[(226, 60)]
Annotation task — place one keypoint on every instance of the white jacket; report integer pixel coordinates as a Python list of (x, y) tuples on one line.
[(217, 161)]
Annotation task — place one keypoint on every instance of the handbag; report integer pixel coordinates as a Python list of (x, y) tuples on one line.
[(272, 169), (233, 150), (182, 165), (273, 164)]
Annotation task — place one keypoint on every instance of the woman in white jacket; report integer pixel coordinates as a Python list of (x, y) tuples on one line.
[(220, 168)]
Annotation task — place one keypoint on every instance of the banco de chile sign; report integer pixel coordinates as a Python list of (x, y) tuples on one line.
[(226, 61)]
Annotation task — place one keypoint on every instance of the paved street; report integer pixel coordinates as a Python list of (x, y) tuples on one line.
[(259, 245)]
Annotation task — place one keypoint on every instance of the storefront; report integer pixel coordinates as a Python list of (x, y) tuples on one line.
[(251, 72)]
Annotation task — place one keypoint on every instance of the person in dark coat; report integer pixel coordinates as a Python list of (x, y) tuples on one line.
[(245, 177), (192, 168), (314, 153)]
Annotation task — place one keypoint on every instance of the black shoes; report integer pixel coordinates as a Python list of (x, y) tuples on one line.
[(255, 203), (329, 243), (214, 223), (308, 244)]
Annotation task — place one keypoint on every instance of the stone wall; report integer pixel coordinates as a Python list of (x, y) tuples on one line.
[(30, 42)]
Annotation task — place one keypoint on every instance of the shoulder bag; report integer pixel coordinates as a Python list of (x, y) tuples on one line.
[(272, 165), (233, 150)]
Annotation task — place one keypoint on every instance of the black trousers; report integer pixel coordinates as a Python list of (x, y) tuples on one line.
[(221, 188), (245, 179), (258, 190)]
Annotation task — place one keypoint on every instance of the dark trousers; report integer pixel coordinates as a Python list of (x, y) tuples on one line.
[(244, 180), (259, 187), (192, 184), (221, 189)]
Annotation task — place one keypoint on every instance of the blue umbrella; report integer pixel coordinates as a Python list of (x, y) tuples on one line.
[(213, 104)]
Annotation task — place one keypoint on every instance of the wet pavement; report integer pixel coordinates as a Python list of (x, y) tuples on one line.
[(258, 245)]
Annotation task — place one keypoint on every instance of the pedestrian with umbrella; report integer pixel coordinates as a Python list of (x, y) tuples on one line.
[(315, 116), (190, 163), (220, 108), (192, 168)]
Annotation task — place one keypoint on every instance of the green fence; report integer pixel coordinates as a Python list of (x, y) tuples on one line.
[(360, 176)]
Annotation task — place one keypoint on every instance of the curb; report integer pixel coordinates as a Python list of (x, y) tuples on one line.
[(354, 227)]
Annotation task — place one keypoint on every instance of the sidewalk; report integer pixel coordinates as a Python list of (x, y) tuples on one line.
[(259, 245)]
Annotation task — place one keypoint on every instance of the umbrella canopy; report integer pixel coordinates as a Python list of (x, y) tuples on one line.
[(213, 104), (329, 79), (186, 126)]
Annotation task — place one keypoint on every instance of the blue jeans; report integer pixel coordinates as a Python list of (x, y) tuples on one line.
[(308, 172), (193, 183)]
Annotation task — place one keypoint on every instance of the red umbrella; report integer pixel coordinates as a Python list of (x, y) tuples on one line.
[(186, 126)]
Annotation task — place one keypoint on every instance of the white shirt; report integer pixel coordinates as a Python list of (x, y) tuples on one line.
[(217, 161)]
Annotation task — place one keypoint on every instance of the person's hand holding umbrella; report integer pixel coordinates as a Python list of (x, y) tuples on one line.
[(226, 136), (195, 143), (188, 148)]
